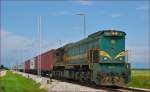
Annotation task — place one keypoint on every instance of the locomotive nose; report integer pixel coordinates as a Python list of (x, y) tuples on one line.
[(111, 79), (114, 73)]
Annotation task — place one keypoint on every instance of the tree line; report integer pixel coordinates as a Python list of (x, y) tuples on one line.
[(3, 67)]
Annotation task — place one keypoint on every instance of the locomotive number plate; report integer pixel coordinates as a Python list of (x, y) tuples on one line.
[(111, 67)]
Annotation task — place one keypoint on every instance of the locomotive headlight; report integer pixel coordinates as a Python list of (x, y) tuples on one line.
[(105, 58), (121, 59)]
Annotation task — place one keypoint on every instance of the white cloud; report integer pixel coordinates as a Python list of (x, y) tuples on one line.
[(84, 2), (138, 56), (142, 7), (15, 47), (141, 54), (11, 41), (115, 15), (58, 13)]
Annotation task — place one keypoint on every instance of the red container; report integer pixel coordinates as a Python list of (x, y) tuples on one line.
[(27, 65), (47, 60), (36, 62)]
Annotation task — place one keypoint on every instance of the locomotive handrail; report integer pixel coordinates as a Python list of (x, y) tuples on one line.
[(90, 57)]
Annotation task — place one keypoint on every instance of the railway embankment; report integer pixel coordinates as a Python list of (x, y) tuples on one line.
[(57, 85), (3, 73)]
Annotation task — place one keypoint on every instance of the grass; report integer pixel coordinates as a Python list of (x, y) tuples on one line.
[(16, 83), (140, 78)]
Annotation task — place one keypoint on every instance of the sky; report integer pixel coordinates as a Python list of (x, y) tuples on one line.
[(59, 21)]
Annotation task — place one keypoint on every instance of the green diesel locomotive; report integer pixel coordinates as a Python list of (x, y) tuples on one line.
[(100, 58)]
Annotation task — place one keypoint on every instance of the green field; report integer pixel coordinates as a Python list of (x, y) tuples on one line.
[(16, 83), (140, 78)]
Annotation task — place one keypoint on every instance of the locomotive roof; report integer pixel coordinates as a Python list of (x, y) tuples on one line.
[(91, 36), (101, 32)]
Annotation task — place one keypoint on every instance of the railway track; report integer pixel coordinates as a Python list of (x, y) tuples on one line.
[(109, 88), (129, 89)]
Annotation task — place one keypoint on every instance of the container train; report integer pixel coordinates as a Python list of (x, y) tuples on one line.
[(100, 58)]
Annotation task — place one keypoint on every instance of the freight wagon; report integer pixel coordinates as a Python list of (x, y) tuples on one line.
[(46, 62), (21, 67), (33, 65), (27, 66), (43, 63)]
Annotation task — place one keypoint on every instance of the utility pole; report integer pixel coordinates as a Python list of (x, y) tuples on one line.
[(0, 49), (84, 23), (16, 65), (24, 67), (149, 50), (59, 42), (40, 45)]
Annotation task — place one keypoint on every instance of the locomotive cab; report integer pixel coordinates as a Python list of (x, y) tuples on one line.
[(112, 67), (113, 47)]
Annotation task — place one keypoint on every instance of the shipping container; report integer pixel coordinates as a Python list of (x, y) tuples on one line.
[(47, 60), (36, 62), (32, 64), (21, 66), (15, 68), (27, 65)]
